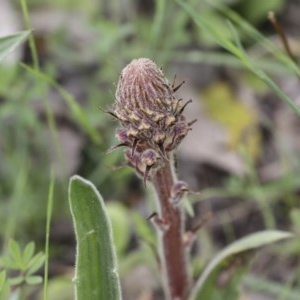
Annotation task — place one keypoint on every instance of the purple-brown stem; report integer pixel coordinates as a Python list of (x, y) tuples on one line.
[(173, 253), (152, 126)]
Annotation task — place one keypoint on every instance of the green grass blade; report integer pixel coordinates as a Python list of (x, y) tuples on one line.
[(32, 45), (160, 6), (252, 32), (77, 112), (16, 202), (48, 221), (10, 42), (96, 274), (274, 288), (223, 59), (238, 52), (245, 244)]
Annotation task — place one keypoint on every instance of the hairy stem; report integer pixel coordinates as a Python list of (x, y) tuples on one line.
[(152, 127), (173, 253)]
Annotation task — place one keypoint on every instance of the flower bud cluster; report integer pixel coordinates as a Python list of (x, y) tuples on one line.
[(150, 115)]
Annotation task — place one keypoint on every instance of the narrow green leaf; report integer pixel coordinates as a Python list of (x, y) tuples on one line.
[(16, 280), (10, 42), (4, 286), (32, 45), (249, 242), (209, 28), (32, 280), (36, 263), (144, 231), (219, 58), (242, 56), (77, 112), (28, 252), (2, 279), (8, 263), (48, 225), (15, 251), (96, 274), (252, 32), (273, 288)]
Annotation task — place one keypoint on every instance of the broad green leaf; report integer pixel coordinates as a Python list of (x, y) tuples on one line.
[(96, 275), (10, 42), (32, 280), (245, 244), (28, 252)]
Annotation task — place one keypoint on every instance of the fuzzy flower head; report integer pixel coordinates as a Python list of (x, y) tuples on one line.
[(150, 115)]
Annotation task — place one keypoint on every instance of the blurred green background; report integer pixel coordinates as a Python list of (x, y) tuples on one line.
[(242, 155)]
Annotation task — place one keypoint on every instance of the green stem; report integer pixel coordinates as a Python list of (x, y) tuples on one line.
[(48, 223), (32, 45)]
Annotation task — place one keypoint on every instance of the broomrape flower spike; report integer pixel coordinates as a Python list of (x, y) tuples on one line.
[(150, 115), (152, 126)]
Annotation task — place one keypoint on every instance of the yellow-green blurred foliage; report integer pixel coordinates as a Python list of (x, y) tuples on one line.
[(240, 121)]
